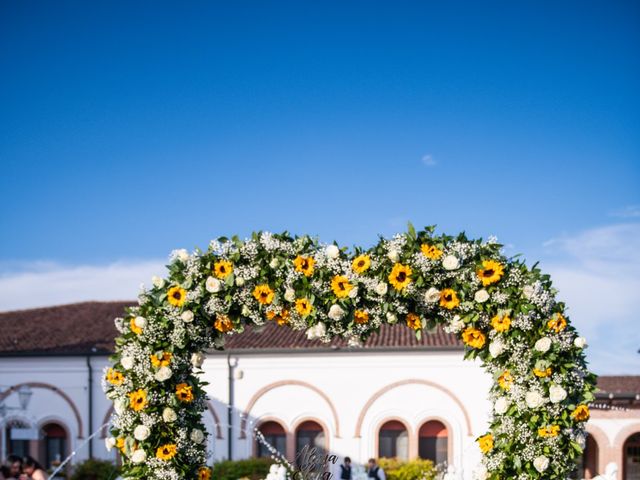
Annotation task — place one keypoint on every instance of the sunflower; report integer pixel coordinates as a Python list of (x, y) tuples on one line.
[(223, 324), (120, 445), (473, 337), (501, 323), (281, 318), (167, 452), (161, 360), (114, 377), (449, 299), (263, 294), (303, 307), (360, 316), (222, 269), (138, 400), (341, 286), (581, 413), (134, 328), (431, 251), (490, 272), (184, 393), (176, 296), (304, 265), (557, 323), (486, 443), (400, 276), (549, 431), (361, 263), (413, 321), (542, 373), (204, 473), (505, 380)]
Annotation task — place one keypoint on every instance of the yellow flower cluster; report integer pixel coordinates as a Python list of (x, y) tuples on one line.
[(549, 431), (281, 318), (361, 263), (304, 265), (303, 307), (360, 316), (473, 337), (557, 323), (340, 286), (222, 269), (114, 377), (223, 324), (413, 321), (400, 276), (176, 296), (449, 299), (505, 380), (184, 393), (263, 294), (486, 443), (138, 400), (542, 373), (501, 323), (166, 452), (431, 251), (581, 413), (162, 360), (490, 273)]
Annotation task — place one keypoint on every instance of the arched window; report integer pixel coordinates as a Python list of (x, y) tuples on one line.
[(433, 442), (631, 451), (16, 440), (309, 435), (275, 435), (587, 463), (393, 440), (54, 442)]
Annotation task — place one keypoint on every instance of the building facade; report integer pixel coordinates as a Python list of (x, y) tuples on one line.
[(395, 397)]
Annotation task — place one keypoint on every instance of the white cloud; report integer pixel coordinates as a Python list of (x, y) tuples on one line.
[(429, 161), (630, 211), (44, 283), (598, 276)]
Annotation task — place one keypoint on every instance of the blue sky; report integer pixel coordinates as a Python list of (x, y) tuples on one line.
[(130, 129)]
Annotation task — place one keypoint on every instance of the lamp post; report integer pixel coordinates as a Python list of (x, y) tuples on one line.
[(24, 397)]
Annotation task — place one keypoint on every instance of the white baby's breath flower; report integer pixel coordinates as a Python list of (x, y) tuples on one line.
[(501, 405), (541, 463), (187, 316), (381, 288), (138, 456), (140, 322), (163, 373), (557, 393), (213, 285), (533, 399), (432, 295), (157, 281), (290, 295), (197, 436), (450, 262), (141, 433), (580, 342), (169, 415), (332, 252), (543, 345), (336, 312), (197, 359), (481, 296), (127, 362)]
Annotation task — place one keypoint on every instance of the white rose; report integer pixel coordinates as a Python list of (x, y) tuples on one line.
[(316, 331), (140, 322), (138, 456), (580, 342), (187, 316), (274, 263), (541, 463), (169, 415), (354, 342), (332, 251), (157, 281), (197, 436), (163, 373), (393, 255), (501, 405), (456, 324), (289, 294), (246, 311), (481, 296), (336, 312), (533, 399), (197, 359), (141, 433), (119, 406), (109, 442), (213, 285), (432, 295), (381, 288), (528, 291), (480, 473), (353, 293), (450, 262), (391, 318), (496, 348), (127, 363), (240, 281), (557, 393), (543, 345)]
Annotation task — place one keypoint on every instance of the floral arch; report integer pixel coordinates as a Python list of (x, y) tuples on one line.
[(505, 313)]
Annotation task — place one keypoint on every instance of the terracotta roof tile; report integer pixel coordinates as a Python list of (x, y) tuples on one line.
[(619, 384)]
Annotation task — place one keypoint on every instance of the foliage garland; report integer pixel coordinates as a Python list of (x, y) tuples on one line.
[(505, 313)]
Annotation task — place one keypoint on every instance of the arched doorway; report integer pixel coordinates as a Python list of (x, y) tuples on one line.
[(631, 452), (275, 435), (393, 440), (16, 443), (54, 445), (310, 435), (433, 442), (587, 463)]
